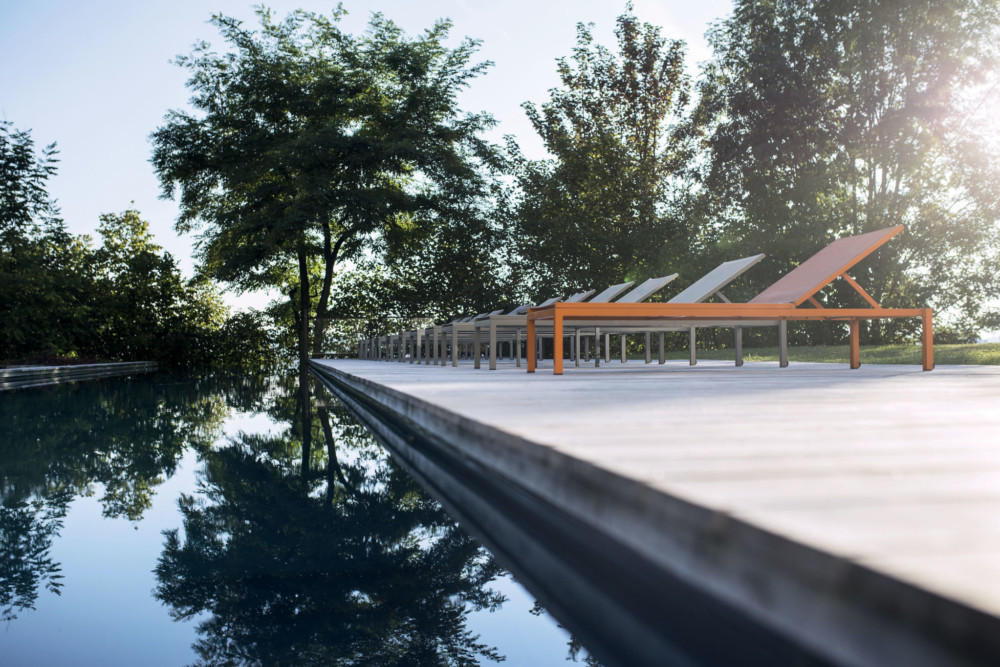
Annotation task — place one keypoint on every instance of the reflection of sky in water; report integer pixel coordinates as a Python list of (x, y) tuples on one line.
[(107, 615)]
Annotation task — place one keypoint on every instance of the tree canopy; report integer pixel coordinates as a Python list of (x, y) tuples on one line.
[(310, 145), (598, 211), (825, 118)]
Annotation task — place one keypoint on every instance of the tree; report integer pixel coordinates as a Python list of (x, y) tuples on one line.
[(310, 143), (26, 210), (45, 275), (145, 308), (826, 118), (597, 211)]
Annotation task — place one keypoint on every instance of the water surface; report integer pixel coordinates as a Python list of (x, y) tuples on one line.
[(171, 520)]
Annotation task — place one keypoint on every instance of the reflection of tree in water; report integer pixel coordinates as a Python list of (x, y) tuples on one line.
[(124, 435), (26, 529), (335, 557)]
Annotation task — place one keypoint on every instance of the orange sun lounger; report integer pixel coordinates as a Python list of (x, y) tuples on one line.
[(782, 301)]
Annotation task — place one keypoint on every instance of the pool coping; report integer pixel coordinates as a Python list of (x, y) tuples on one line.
[(27, 377)]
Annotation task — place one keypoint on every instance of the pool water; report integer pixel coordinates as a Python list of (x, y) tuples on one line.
[(175, 520)]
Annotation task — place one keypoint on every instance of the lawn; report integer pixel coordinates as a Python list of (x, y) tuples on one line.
[(984, 354)]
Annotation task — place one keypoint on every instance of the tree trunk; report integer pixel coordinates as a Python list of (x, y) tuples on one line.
[(330, 255), (303, 325), (333, 470), (305, 412)]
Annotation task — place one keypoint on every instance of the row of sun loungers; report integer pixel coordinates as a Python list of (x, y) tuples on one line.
[(583, 317)]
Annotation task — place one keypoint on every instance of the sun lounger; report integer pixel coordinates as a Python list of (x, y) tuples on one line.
[(709, 285), (509, 327), (781, 302)]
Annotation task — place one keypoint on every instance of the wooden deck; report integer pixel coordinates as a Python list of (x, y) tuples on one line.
[(855, 511)]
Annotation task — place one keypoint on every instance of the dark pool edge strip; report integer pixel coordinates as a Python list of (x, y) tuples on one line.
[(831, 606), (43, 376)]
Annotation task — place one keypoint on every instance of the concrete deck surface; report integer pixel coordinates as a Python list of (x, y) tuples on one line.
[(887, 466)]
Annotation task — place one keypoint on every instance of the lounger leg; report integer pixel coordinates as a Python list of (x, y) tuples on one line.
[(624, 341), (927, 338), (576, 346), (692, 346), (649, 350), (855, 344), (662, 359), (738, 342), (557, 344), (493, 345), (478, 347), (783, 343), (531, 347), (597, 347)]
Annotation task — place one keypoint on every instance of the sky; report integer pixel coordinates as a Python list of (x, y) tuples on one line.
[(96, 78)]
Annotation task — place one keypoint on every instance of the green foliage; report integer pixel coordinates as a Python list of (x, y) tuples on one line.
[(248, 342), (45, 274), (147, 310), (597, 212), (313, 143), (26, 210), (123, 301), (826, 118)]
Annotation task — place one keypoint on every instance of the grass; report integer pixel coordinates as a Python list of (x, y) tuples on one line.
[(987, 354)]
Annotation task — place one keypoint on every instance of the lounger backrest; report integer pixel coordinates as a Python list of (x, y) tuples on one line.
[(521, 310), (646, 290), (715, 280), (580, 296), (483, 316), (611, 293), (822, 268)]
